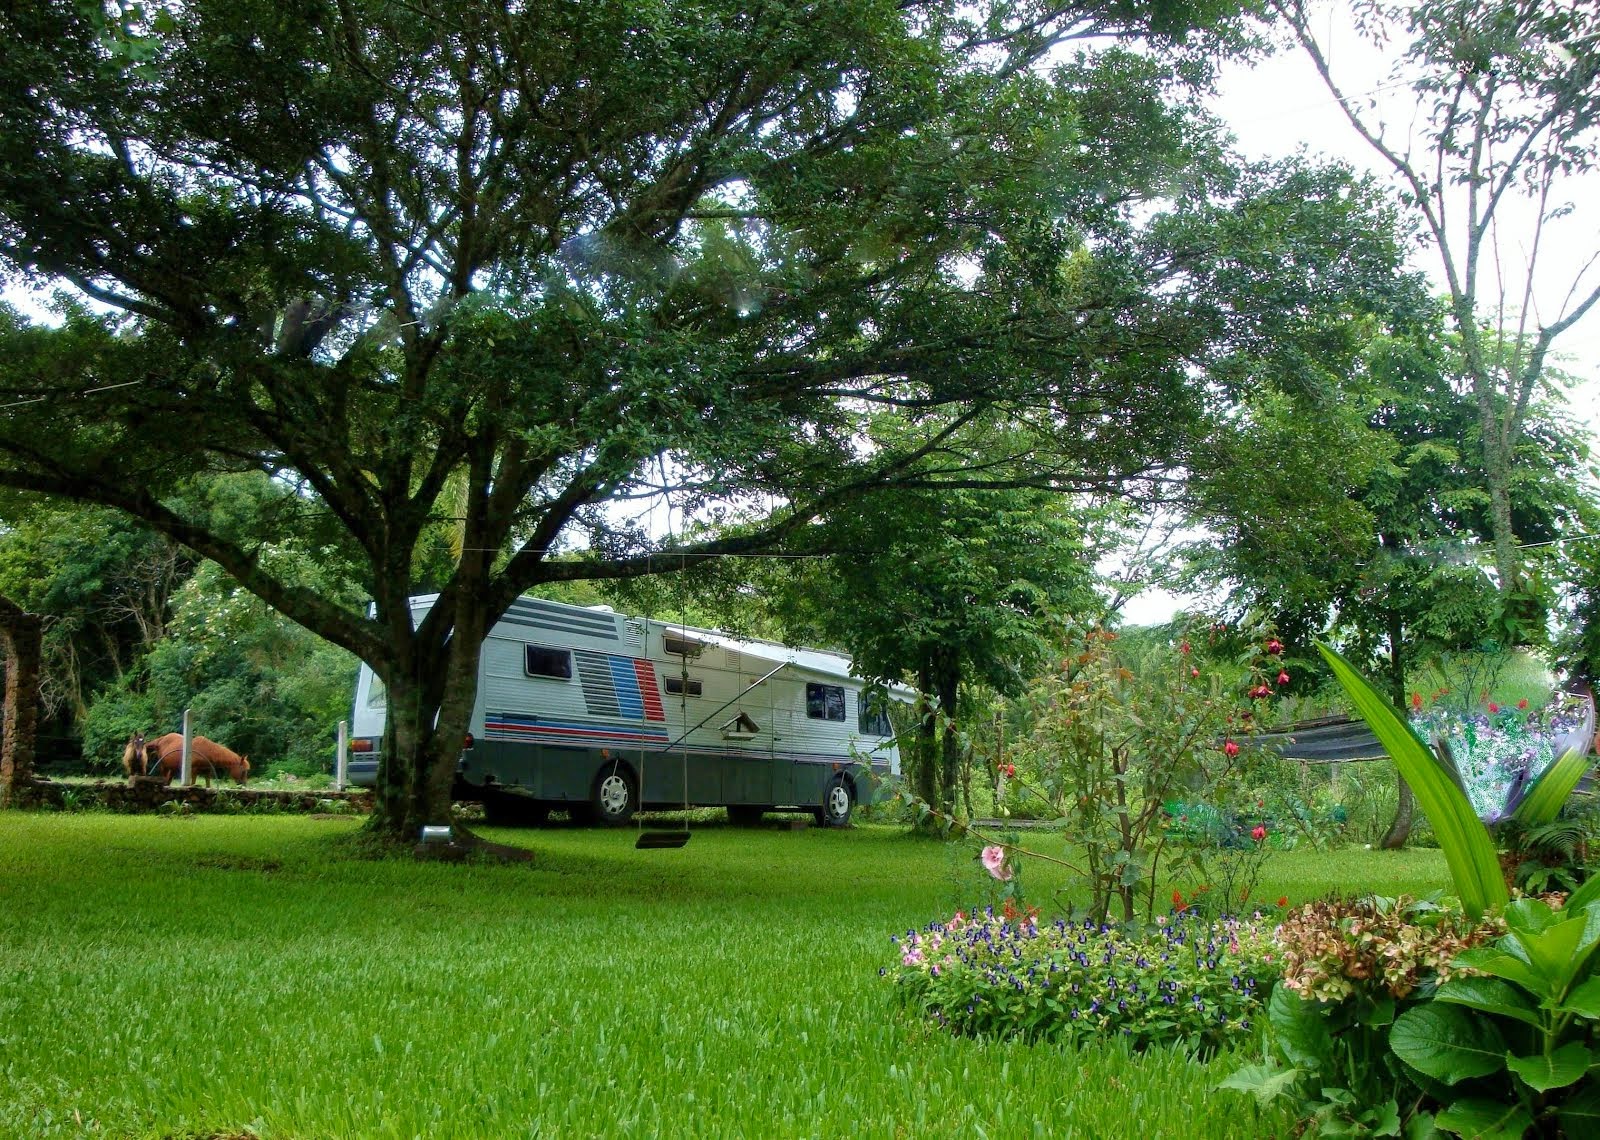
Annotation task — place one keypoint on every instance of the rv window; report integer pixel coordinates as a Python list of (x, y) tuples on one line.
[(678, 687), (682, 646), (824, 702), (377, 695), (543, 661), (871, 716)]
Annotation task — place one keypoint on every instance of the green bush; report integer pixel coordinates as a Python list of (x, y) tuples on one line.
[(1188, 979)]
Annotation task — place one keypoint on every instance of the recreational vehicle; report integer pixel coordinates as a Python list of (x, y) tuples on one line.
[(590, 712)]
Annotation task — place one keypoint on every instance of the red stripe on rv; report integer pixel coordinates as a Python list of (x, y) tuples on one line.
[(649, 689)]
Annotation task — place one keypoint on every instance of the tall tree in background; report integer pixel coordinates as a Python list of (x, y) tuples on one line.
[(1365, 523), (1498, 156)]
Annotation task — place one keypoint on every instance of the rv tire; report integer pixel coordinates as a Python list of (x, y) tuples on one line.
[(837, 803), (615, 795)]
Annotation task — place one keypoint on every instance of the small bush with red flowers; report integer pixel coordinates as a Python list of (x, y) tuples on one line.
[(1187, 979)]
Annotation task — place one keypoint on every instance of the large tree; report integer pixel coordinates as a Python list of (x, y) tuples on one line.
[(1495, 162), (456, 276)]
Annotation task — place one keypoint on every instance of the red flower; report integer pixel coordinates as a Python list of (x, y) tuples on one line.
[(1184, 648), (1416, 702), (1259, 833), (1193, 672), (1494, 708), (1230, 749), (1274, 646), (1523, 703), (1283, 677), (1177, 902), (1283, 900)]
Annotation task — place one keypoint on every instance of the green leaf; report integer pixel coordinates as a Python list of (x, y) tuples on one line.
[(1584, 1000), (1551, 790), (1580, 1116), (1468, 851), (1554, 953), (1561, 1068), (1584, 895), (1264, 1082), (1300, 1027), (1489, 960), (1491, 995), (1447, 1043), (1476, 1118)]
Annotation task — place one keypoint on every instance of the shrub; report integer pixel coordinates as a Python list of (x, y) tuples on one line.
[(1187, 979), (1350, 969)]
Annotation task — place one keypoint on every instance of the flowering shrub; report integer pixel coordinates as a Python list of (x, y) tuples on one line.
[(1351, 968), (1333, 947), (1187, 979)]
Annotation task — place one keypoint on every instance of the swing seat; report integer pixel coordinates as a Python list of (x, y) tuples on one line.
[(650, 840)]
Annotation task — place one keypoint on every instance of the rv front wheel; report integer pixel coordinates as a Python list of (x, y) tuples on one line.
[(836, 803), (615, 797)]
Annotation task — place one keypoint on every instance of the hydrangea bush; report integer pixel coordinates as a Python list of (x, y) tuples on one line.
[(1186, 979)]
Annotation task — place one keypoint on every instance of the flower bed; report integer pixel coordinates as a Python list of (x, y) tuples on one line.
[(1188, 979)]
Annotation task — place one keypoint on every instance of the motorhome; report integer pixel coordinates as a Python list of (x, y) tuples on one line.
[(587, 711)]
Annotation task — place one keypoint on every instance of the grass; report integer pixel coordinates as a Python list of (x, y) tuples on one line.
[(204, 976)]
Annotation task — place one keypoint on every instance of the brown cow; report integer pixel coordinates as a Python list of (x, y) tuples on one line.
[(205, 756)]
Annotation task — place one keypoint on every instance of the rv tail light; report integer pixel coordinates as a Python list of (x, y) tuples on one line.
[(363, 744), (468, 742)]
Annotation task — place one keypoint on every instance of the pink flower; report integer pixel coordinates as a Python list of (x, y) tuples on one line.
[(1184, 648), (1523, 703), (1230, 749), (1193, 672), (1274, 646), (1283, 677), (1258, 833), (1494, 708), (994, 861)]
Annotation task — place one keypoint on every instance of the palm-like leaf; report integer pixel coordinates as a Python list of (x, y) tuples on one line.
[(1465, 841)]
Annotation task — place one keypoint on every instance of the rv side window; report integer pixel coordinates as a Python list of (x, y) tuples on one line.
[(377, 695), (544, 661), (682, 646), (871, 716), (678, 687), (824, 702)]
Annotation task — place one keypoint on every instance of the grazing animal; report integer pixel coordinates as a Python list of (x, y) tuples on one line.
[(206, 757), (136, 748)]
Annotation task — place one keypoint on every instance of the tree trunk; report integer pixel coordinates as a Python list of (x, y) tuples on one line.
[(948, 680), (1405, 805), (20, 641)]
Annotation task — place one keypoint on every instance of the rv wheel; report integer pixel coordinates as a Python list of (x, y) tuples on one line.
[(836, 803), (615, 796)]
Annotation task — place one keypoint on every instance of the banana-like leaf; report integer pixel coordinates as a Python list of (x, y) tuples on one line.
[(1543, 802), (1468, 850)]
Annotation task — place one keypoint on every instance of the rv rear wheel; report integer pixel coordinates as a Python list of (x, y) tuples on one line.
[(615, 796), (836, 803)]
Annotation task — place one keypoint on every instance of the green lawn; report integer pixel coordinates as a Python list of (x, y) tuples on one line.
[(198, 976)]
